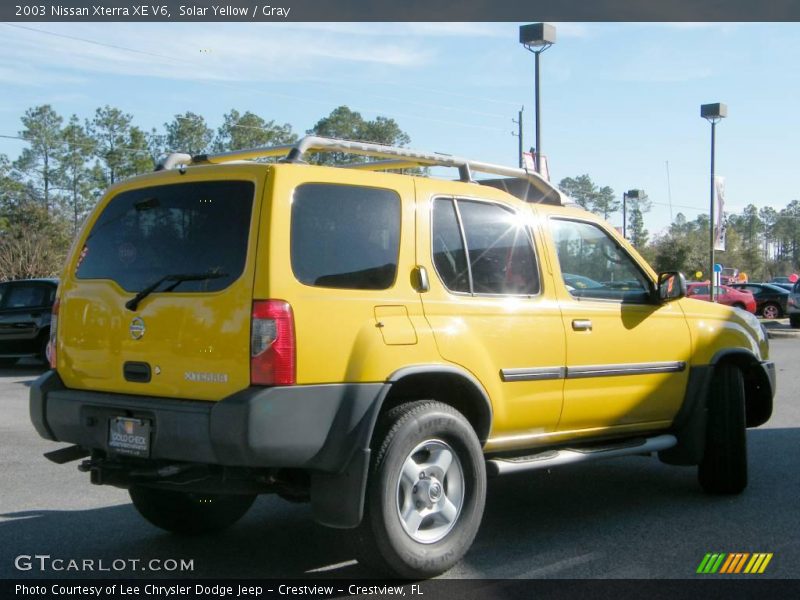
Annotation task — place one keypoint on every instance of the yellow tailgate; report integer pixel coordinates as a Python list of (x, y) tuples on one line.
[(195, 345)]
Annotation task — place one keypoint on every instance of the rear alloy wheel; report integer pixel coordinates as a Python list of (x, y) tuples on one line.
[(723, 469), (187, 512), (771, 311), (425, 494)]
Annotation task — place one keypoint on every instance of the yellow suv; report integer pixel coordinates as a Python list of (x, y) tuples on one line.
[(376, 343)]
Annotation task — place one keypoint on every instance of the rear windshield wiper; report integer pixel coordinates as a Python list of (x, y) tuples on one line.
[(178, 278)]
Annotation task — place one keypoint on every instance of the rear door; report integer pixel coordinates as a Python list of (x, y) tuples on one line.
[(490, 306), (191, 239)]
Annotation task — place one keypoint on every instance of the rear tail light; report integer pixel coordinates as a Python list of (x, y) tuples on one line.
[(272, 344), (51, 344)]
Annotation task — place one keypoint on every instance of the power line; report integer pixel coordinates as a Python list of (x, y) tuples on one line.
[(88, 41), (286, 96)]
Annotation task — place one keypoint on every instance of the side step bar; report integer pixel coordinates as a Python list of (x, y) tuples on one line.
[(566, 456)]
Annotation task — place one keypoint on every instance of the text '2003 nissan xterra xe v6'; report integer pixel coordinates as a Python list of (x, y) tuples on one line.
[(376, 343)]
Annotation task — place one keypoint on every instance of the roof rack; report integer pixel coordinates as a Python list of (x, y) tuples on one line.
[(526, 185)]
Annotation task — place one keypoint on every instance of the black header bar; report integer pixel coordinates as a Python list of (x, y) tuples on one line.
[(405, 10)]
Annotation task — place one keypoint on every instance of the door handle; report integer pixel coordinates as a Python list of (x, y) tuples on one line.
[(581, 325)]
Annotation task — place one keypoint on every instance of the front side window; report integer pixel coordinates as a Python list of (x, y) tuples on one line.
[(345, 236), (199, 229), (493, 256), (593, 265)]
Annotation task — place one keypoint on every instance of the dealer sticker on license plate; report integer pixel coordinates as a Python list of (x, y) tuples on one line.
[(129, 436)]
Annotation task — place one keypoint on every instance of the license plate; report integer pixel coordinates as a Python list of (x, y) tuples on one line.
[(129, 436)]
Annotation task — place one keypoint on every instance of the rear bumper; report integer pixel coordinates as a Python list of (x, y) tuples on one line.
[(319, 427)]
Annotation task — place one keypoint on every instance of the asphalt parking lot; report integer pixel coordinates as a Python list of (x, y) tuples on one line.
[(622, 518)]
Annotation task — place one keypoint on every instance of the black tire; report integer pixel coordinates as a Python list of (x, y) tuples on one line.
[(189, 513), (794, 321), (723, 469), (771, 310), (738, 305), (42, 355), (422, 435)]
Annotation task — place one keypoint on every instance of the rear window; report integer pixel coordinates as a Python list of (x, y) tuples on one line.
[(345, 236), (189, 228), (28, 296)]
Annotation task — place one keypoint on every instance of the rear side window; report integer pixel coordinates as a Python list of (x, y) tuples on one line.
[(188, 228), (345, 236), (499, 250), (449, 256)]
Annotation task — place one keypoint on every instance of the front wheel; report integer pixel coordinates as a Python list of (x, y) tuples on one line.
[(771, 311), (723, 469), (189, 513), (425, 494)]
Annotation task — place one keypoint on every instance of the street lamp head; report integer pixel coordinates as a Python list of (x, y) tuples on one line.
[(634, 194), (714, 112), (537, 37)]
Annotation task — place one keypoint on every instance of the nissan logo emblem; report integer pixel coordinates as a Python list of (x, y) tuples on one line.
[(137, 328)]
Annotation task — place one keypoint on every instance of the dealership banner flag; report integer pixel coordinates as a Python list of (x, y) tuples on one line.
[(720, 223)]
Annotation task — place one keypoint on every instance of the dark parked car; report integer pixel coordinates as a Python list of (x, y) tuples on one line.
[(772, 301), (787, 286), (25, 307)]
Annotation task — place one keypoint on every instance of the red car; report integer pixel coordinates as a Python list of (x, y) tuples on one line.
[(725, 295)]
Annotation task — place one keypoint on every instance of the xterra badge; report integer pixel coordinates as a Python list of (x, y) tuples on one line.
[(205, 377)]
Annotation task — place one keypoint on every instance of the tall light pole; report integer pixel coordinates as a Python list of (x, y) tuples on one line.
[(713, 113), (537, 38), (625, 195)]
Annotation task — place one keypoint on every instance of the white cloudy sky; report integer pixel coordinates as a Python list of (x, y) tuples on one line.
[(620, 101)]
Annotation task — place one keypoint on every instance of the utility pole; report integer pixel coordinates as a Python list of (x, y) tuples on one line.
[(518, 135)]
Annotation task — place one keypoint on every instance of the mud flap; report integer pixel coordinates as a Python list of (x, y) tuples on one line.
[(337, 499)]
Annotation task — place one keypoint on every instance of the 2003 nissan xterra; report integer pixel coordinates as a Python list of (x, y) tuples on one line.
[(376, 343)]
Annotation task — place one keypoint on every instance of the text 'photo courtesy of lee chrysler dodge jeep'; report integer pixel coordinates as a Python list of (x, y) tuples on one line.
[(377, 344)]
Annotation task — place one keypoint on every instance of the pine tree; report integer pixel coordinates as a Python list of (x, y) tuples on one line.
[(38, 162), (74, 174), (248, 130)]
